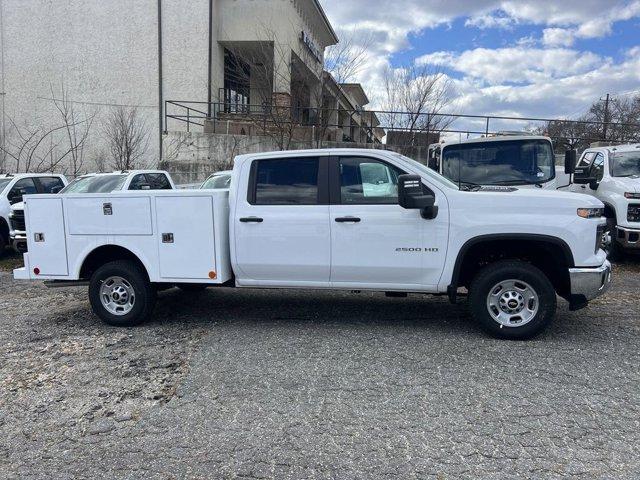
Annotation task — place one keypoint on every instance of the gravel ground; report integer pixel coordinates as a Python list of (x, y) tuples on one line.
[(269, 384)]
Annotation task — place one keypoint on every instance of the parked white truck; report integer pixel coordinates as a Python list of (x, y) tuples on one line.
[(12, 189), (92, 183), (523, 161), (612, 175), (327, 219)]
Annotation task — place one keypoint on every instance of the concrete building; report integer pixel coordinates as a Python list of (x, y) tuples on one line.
[(104, 55)]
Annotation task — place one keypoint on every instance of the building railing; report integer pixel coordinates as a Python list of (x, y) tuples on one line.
[(361, 126)]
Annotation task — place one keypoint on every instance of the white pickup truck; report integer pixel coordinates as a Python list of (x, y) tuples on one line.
[(612, 175), (327, 219), (12, 189)]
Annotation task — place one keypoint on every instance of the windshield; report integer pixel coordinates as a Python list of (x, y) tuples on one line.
[(516, 162), (97, 184), (625, 164), (3, 183), (217, 181), (429, 172)]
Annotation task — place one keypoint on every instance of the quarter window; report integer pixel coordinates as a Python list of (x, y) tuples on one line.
[(290, 181), (368, 181)]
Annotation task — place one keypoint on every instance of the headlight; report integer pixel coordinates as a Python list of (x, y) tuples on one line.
[(632, 195), (590, 212)]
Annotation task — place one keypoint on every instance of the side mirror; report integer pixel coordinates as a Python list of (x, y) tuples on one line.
[(570, 158), (411, 196), (594, 184)]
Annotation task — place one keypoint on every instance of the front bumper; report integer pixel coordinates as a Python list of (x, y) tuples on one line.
[(628, 237), (588, 283), (19, 241)]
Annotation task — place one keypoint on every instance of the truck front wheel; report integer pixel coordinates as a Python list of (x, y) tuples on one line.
[(512, 299), (121, 294)]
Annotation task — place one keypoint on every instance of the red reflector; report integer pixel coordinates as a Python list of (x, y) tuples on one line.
[(36, 271)]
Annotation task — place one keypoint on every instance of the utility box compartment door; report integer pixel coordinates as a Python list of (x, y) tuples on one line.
[(86, 215), (186, 237), (129, 216), (46, 236)]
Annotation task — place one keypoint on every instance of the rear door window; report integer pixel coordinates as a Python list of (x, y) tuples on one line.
[(287, 181)]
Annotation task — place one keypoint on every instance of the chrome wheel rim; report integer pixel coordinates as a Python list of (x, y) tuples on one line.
[(117, 296), (512, 303)]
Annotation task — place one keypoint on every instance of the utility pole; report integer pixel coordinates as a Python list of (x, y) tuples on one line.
[(606, 118), (160, 94)]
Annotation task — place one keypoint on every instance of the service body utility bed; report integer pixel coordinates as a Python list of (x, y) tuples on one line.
[(181, 236)]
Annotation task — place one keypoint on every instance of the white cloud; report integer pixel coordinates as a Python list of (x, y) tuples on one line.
[(558, 37), (515, 64), (539, 75)]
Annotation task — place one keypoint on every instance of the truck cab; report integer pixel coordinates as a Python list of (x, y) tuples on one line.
[(12, 189), (612, 175), (523, 161), (90, 183)]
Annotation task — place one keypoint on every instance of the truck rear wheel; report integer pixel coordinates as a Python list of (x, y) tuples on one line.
[(121, 294), (512, 300)]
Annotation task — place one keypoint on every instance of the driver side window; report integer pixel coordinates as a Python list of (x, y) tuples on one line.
[(368, 181), (597, 169)]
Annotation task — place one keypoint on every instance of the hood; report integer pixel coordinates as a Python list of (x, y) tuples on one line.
[(17, 206), (536, 198)]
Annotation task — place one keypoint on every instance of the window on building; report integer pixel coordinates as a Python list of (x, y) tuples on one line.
[(291, 181), (237, 81), (368, 181)]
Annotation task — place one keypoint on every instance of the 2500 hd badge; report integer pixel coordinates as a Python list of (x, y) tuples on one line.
[(417, 249)]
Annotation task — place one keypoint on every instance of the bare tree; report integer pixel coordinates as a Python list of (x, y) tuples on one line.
[(76, 127), (619, 122), (414, 99), (34, 149), (127, 137), (346, 60)]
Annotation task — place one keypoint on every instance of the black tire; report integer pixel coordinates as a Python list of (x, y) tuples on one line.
[(502, 271), (192, 287), (136, 278), (615, 252)]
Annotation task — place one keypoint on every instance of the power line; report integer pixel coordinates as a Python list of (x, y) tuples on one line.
[(101, 104)]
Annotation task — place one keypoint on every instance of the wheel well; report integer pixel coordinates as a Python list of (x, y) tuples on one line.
[(106, 254), (609, 211), (552, 256)]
